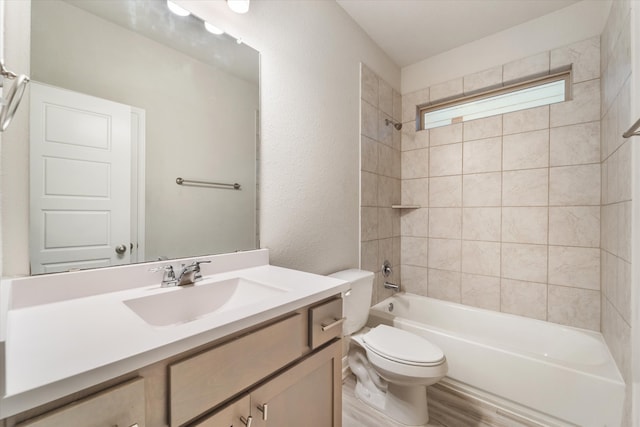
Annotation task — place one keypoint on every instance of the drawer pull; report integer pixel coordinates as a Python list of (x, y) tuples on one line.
[(327, 326), (263, 408), (246, 421)]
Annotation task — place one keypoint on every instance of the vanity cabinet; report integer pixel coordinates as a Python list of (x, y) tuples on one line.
[(122, 406), (306, 394)]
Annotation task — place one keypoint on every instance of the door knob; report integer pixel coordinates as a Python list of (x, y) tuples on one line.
[(120, 249)]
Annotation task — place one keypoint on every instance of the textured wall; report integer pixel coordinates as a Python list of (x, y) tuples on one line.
[(510, 213), (616, 191)]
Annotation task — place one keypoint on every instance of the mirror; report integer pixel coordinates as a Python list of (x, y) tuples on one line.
[(127, 97)]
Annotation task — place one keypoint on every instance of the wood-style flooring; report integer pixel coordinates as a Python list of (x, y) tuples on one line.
[(357, 414)]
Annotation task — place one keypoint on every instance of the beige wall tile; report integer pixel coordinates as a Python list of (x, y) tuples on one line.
[(483, 155), (415, 164), (624, 230), (445, 192), (483, 80), (609, 228), (525, 187), (526, 150), (526, 120), (622, 296), (576, 267), (445, 135), (444, 285), (574, 185), (524, 262), (369, 255), (623, 172), (369, 190), (481, 224), (410, 101), (524, 298), (617, 334), (480, 190), (575, 145), (481, 257), (583, 55), (385, 131), (525, 225), (414, 280), (526, 67), (412, 139), (445, 160), (445, 223), (369, 154), (385, 97), (574, 226), (415, 192), (414, 222), (445, 90), (574, 307), (397, 106), (387, 165), (369, 85), (388, 191), (444, 254), (385, 222), (369, 226), (480, 291), (414, 251), (584, 107), (369, 125), (482, 128)]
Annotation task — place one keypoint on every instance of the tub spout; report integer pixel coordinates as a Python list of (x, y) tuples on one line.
[(393, 286)]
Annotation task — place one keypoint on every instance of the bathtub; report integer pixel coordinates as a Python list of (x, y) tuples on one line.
[(562, 372)]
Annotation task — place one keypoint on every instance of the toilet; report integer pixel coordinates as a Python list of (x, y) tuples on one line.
[(392, 366)]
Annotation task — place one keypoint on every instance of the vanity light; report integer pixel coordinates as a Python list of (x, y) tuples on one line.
[(212, 28), (178, 10), (238, 6)]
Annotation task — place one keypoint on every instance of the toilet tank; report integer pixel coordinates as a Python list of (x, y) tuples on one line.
[(357, 302)]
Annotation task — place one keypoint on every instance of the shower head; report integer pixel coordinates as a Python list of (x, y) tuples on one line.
[(396, 125)]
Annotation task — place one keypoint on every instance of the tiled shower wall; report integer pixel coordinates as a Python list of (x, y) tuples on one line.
[(510, 204), (380, 179), (616, 190)]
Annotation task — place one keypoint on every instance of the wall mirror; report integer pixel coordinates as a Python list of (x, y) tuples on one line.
[(126, 98)]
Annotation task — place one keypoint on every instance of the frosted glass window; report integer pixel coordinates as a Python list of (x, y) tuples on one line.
[(478, 107)]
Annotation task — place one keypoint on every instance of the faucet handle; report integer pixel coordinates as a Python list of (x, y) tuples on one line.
[(196, 265), (169, 277)]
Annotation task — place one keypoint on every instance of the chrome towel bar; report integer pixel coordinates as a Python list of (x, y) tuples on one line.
[(633, 130), (181, 181)]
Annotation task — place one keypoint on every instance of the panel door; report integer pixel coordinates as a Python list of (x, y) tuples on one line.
[(308, 394), (80, 189)]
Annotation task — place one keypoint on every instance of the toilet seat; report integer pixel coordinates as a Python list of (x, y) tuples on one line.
[(402, 346)]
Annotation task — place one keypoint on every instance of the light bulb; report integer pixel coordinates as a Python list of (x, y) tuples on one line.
[(178, 10), (212, 28), (238, 6)]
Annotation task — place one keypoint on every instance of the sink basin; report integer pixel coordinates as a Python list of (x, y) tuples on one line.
[(193, 302)]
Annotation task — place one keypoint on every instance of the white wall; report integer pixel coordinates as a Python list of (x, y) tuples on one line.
[(577, 22), (310, 100)]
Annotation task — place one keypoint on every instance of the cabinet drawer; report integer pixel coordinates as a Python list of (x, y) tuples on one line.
[(122, 405), (203, 381), (325, 322)]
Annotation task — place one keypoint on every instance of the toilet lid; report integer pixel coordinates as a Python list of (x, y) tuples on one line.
[(402, 346)]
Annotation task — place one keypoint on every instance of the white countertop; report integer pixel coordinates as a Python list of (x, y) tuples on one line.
[(56, 348)]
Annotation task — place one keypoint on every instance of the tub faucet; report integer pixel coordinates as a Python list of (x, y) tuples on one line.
[(190, 274), (392, 286)]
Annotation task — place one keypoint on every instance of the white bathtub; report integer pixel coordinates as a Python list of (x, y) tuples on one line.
[(564, 372)]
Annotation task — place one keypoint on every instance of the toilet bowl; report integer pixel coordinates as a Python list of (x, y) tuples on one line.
[(392, 366)]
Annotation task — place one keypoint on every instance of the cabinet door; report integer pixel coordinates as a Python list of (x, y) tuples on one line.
[(308, 394), (231, 415)]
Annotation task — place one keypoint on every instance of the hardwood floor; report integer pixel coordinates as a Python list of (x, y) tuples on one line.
[(357, 414)]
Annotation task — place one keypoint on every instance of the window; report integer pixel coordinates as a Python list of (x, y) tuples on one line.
[(535, 93)]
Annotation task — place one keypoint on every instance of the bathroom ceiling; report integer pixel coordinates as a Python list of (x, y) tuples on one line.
[(412, 30)]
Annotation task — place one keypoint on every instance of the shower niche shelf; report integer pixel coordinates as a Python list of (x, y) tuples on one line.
[(405, 206)]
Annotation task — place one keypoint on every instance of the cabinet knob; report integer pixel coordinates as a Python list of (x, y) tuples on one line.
[(246, 421), (263, 408)]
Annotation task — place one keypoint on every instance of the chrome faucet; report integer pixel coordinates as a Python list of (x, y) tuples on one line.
[(190, 274), (392, 286), (169, 277)]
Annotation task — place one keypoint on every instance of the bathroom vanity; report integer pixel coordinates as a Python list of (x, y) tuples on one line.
[(85, 355)]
